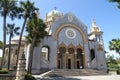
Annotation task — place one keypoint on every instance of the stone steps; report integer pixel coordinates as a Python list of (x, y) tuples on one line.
[(74, 72)]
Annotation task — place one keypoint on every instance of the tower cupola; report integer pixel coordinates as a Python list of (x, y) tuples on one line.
[(50, 18), (94, 27)]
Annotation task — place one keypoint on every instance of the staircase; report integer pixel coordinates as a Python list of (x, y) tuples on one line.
[(73, 72)]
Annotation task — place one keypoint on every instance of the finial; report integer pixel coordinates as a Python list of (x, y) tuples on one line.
[(94, 27), (93, 23)]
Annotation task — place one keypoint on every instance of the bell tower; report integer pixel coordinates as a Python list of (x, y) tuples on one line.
[(96, 35)]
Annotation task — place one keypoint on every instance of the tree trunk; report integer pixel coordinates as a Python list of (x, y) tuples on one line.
[(20, 40), (31, 55), (9, 52), (4, 39)]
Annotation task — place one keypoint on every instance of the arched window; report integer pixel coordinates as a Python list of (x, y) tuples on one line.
[(62, 50), (92, 53), (45, 52), (71, 50), (79, 53)]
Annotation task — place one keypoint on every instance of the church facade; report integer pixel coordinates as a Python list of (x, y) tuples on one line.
[(68, 45)]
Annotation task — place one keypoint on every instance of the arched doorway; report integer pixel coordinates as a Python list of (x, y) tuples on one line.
[(61, 57), (70, 58), (79, 59), (92, 54)]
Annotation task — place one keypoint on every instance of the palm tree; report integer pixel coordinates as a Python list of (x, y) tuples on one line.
[(28, 9), (11, 30), (1, 45), (115, 45), (36, 31), (7, 8), (118, 2)]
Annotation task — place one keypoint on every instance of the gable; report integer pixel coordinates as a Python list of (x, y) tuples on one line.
[(69, 20)]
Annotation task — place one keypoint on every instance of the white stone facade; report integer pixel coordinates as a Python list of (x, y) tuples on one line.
[(70, 33), (68, 45)]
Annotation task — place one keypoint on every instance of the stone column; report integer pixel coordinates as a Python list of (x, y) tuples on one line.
[(20, 73), (75, 59), (67, 59), (83, 59)]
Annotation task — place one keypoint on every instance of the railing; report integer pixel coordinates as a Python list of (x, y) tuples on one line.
[(93, 62), (46, 62)]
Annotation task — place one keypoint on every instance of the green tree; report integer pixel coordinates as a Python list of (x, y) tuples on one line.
[(1, 45), (7, 8), (115, 45), (111, 62), (28, 9), (36, 31), (11, 30), (118, 2)]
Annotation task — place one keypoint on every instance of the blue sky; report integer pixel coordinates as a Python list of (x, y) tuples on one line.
[(106, 15)]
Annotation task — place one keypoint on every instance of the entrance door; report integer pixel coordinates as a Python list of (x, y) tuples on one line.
[(78, 64), (58, 64), (69, 63)]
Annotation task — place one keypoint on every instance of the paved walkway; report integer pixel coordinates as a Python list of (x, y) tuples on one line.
[(101, 77)]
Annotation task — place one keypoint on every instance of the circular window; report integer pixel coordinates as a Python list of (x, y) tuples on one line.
[(70, 33), (71, 50)]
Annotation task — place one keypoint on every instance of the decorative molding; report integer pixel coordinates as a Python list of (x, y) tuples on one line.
[(71, 46), (69, 25), (70, 33), (99, 48), (79, 46), (70, 18), (62, 45)]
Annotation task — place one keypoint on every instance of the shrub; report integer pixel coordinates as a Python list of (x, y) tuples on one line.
[(112, 69), (118, 71), (29, 77), (3, 71)]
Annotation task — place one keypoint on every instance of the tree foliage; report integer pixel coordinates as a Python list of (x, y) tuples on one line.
[(36, 31), (11, 30), (115, 45), (1, 44), (27, 8), (118, 2), (7, 8)]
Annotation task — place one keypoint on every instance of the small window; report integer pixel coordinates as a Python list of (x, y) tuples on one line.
[(45, 53), (71, 50), (92, 54), (62, 50)]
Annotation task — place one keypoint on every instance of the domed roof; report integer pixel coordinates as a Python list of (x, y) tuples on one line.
[(54, 13), (17, 38)]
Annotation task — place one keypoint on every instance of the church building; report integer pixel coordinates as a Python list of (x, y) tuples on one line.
[(68, 45)]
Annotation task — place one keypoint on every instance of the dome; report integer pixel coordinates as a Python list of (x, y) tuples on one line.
[(52, 16), (17, 38), (54, 13)]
